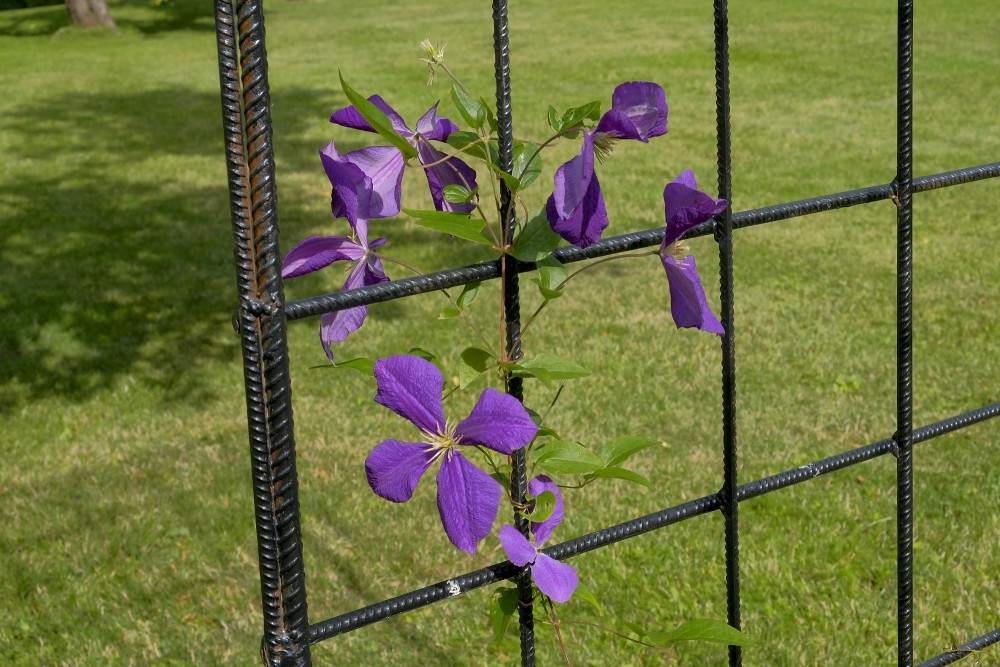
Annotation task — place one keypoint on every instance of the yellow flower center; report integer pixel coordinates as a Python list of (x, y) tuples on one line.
[(443, 442), (678, 250)]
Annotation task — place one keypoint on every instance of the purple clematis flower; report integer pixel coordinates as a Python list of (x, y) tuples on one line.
[(576, 208), (467, 497), (686, 206), (366, 182), (439, 169), (555, 579), (317, 252)]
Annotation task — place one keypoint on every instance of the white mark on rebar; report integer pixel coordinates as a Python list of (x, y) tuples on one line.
[(453, 588)]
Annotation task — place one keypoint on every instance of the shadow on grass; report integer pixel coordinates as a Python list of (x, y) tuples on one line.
[(133, 16)]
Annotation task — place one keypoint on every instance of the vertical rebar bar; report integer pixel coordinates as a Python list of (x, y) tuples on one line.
[(724, 237), (512, 309), (904, 332), (261, 325)]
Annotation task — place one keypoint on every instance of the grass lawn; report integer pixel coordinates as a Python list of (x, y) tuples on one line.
[(128, 537)]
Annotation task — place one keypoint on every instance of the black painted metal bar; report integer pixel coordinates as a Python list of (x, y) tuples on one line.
[(904, 333), (261, 325), (724, 237), (706, 504), (964, 651), (313, 306), (512, 311)]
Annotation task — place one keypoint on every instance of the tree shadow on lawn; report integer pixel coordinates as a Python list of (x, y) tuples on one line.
[(115, 269), (142, 17)]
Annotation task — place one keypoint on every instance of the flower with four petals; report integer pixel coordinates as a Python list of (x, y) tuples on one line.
[(576, 207), (555, 579), (467, 498)]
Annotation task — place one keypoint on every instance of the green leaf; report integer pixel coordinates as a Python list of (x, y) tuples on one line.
[(554, 121), (502, 475), (449, 312), (360, 364), (423, 354), (575, 116), (463, 139), (551, 277), (490, 117), (564, 456), (619, 473), (619, 449), (545, 431), (545, 504), (557, 368), (706, 630), (527, 172), (585, 594), (457, 194), (378, 120), (503, 606), (636, 629), (472, 111), (537, 240), (477, 358), (468, 295), (456, 224)]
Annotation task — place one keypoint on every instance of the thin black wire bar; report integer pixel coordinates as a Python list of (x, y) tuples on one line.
[(723, 228), (904, 333), (389, 291), (498, 572), (964, 651), (512, 311), (261, 325)]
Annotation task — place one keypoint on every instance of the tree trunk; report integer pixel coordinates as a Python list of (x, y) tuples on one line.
[(90, 14)]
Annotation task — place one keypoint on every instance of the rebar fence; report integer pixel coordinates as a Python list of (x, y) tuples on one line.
[(263, 313)]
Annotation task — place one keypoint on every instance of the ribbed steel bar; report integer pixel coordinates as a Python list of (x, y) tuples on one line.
[(512, 310), (261, 325), (500, 571), (963, 651), (904, 333), (723, 227), (612, 245)]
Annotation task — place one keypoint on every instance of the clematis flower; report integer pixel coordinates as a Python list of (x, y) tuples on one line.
[(576, 207), (366, 182), (444, 170), (555, 579), (467, 497), (686, 206), (317, 252)]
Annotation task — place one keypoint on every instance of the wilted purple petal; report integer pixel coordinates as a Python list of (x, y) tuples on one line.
[(543, 529), (555, 579), (686, 206), (576, 207), (450, 172), (468, 500), (688, 304), (638, 111), (519, 550), (337, 326), (432, 126), (383, 165), (394, 468), (499, 422), (411, 387), (350, 117), (351, 195), (316, 252)]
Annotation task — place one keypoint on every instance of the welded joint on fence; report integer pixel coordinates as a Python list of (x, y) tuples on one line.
[(894, 445), (284, 651)]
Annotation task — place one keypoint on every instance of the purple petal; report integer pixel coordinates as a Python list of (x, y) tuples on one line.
[(543, 530), (576, 208), (316, 252), (499, 422), (383, 165), (688, 304), (394, 468), (351, 194), (519, 550), (450, 172), (555, 579), (350, 117), (432, 126), (638, 111), (468, 500), (686, 206), (411, 387), (337, 326)]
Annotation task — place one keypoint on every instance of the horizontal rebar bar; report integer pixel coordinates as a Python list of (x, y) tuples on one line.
[(963, 651), (692, 508), (327, 303)]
